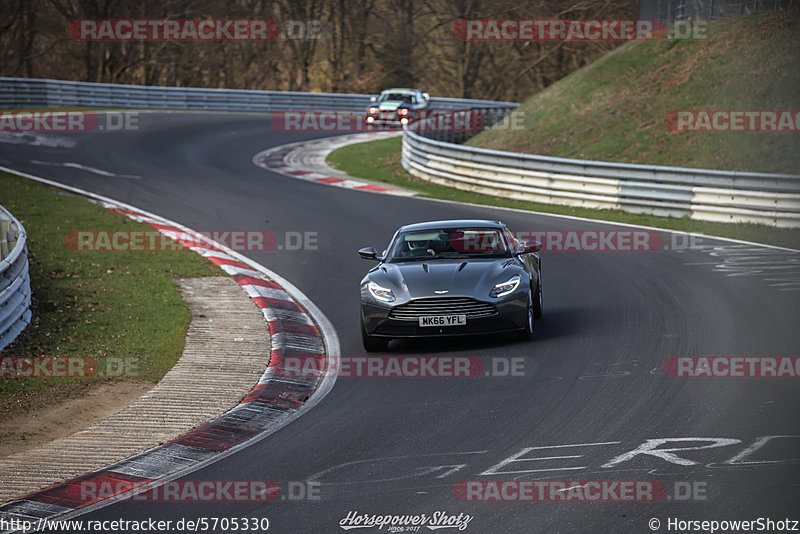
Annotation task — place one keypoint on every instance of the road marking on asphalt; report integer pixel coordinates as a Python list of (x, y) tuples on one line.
[(779, 268), (649, 448), (759, 443), (35, 139), (418, 471), (516, 458), (86, 168)]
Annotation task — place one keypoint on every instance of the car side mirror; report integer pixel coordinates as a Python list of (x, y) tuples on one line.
[(426, 96), (369, 253), (533, 246), (373, 99)]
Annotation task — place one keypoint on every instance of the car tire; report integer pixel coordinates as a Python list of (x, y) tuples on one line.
[(372, 343), (538, 301), (527, 333)]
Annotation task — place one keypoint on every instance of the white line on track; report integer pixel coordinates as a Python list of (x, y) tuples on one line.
[(81, 167)]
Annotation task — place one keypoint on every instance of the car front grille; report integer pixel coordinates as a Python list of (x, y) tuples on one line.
[(470, 307)]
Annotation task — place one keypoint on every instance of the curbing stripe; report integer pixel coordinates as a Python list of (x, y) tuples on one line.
[(266, 302), (265, 409), (262, 291), (373, 187), (255, 281), (277, 159)]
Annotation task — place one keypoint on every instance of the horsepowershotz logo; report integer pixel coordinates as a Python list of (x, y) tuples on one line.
[(439, 520)]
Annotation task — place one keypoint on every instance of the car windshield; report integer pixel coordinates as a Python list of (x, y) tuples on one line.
[(448, 243), (406, 98)]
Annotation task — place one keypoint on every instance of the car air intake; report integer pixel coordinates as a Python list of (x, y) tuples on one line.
[(443, 306)]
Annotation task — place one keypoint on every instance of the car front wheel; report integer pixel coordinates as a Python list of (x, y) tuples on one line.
[(538, 302), (531, 311)]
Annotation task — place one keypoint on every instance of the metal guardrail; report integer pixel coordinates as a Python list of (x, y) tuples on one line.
[(772, 199), (15, 284), (464, 123), (26, 92), (709, 195)]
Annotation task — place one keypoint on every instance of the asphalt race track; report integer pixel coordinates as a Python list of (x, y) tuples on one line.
[(593, 388)]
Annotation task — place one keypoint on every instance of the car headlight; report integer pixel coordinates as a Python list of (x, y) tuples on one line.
[(381, 293), (402, 111), (372, 110), (504, 288)]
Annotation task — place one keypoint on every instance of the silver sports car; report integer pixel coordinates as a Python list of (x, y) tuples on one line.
[(446, 278)]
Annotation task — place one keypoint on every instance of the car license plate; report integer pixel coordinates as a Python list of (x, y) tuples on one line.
[(442, 320)]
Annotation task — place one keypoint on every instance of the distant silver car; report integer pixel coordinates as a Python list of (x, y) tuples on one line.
[(446, 278), (397, 107)]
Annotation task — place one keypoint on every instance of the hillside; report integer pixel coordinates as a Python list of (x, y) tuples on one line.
[(614, 109)]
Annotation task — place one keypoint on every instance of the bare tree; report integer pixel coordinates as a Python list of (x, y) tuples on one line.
[(367, 46)]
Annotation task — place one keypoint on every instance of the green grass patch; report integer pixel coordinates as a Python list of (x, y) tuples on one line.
[(105, 305), (380, 161), (614, 109)]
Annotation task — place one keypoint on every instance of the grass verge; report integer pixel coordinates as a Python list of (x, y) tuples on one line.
[(617, 107), (380, 161), (120, 308)]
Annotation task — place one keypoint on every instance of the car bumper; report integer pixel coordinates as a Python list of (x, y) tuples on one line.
[(511, 316), (377, 121), (389, 118)]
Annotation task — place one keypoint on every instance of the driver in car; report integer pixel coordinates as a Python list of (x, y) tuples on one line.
[(419, 248)]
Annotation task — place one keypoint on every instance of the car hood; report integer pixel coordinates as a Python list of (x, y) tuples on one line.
[(458, 277)]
